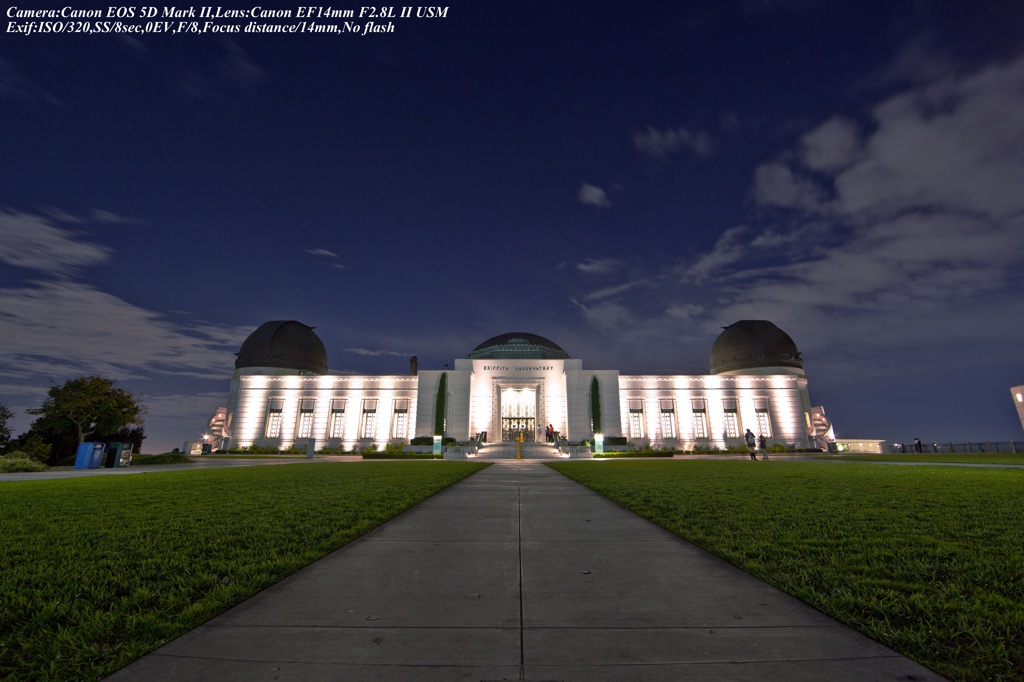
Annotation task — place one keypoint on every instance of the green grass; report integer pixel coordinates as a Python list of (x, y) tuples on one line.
[(98, 571), (401, 455), (928, 560), (941, 458), (626, 454)]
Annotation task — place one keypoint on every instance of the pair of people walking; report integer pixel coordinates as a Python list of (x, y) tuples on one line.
[(753, 442)]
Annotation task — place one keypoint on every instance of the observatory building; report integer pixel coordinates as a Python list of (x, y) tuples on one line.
[(282, 395)]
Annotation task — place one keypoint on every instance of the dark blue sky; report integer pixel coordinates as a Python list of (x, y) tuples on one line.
[(623, 178)]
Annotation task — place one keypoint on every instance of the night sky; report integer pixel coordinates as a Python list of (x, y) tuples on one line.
[(624, 178)]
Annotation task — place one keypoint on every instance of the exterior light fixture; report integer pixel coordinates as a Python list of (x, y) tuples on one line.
[(598, 443)]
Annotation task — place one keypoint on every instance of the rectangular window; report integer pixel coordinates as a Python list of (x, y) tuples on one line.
[(306, 409), (401, 418), (732, 425), (700, 418), (337, 425), (668, 418), (764, 421), (732, 420), (305, 424), (274, 411), (368, 427), (636, 418)]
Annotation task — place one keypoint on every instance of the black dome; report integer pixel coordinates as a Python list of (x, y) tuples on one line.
[(286, 344), (518, 346), (750, 344)]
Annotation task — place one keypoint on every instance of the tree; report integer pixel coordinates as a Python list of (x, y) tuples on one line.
[(442, 393), (595, 404), (85, 406), (31, 445), (6, 414)]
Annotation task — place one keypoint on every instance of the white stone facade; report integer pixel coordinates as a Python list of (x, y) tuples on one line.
[(276, 407)]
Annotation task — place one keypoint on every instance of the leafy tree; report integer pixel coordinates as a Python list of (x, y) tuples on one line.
[(31, 445), (442, 393), (129, 434), (86, 406), (595, 404), (6, 414)]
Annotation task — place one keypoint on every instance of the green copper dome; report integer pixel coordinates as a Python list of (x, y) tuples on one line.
[(518, 346)]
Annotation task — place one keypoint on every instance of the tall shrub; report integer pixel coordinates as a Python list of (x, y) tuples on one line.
[(595, 404), (442, 391)]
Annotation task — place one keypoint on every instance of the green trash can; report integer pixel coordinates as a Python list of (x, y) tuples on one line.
[(118, 455)]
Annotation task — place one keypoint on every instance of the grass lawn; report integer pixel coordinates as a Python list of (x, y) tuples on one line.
[(928, 560), (98, 571), (942, 458)]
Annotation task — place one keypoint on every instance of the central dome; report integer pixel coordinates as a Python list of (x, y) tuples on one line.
[(518, 346)]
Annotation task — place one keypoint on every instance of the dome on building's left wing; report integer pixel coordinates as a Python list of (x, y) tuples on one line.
[(285, 344)]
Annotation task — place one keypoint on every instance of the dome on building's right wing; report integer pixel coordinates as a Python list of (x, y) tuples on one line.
[(751, 345), (285, 344), (518, 346)]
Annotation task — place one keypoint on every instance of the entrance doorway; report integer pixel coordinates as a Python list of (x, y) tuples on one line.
[(518, 414)]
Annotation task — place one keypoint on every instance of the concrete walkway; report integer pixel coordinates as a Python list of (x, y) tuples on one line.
[(518, 573)]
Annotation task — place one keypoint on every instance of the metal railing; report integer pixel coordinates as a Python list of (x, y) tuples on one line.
[(977, 447)]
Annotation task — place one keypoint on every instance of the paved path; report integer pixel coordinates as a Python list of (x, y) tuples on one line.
[(518, 573)]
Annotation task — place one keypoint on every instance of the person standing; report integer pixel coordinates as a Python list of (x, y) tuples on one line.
[(751, 443), (917, 445), (762, 445)]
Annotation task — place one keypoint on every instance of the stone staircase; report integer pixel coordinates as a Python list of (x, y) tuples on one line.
[(527, 450)]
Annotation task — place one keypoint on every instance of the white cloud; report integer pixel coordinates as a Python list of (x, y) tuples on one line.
[(15, 85), (54, 329), (660, 144), (375, 353), (955, 145), (775, 184), (230, 76), (32, 242), (101, 216), (729, 249), (615, 289), (238, 69), (832, 146), (599, 266), (607, 315), (926, 230), (322, 252), (683, 311), (902, 238), (591, 195)]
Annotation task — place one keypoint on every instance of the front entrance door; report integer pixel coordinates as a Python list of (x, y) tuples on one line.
[(518, 414)]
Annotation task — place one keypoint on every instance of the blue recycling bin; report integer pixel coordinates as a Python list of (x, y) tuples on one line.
[(90, 455)]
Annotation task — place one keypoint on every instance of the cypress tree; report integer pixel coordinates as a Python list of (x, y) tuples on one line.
[(442, 391), (595, 404)]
